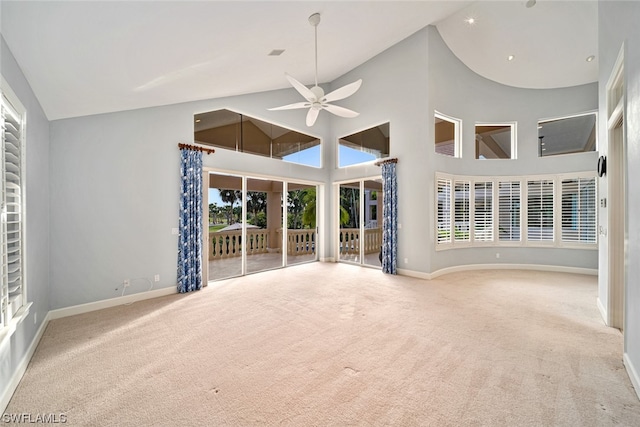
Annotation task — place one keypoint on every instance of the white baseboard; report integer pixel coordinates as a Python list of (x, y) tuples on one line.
[(328, 259), (473, 267), (22, 367), (603, 311), (416, 274), (112, 302), (633, 373)]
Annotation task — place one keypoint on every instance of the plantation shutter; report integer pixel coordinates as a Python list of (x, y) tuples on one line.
[(483, 214), (13, 285), (579, 210), (540, 210), (461, 215), (509, 211), (443, 201)]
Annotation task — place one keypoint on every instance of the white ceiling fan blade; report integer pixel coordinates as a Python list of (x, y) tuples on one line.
[(340, 111), (302, 89), (291, 106), (312, 115), (343, 92)]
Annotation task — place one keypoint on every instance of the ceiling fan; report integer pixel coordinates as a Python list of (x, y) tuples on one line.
[(316, 100)]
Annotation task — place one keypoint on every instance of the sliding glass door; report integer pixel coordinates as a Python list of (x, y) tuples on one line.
[(301, 223), (264, 224), (225, 226), (258, 224), (360, 219)]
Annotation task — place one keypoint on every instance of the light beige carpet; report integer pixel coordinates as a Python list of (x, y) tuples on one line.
[(339, 345)]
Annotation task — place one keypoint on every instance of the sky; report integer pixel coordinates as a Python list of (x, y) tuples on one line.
[(311, 157)]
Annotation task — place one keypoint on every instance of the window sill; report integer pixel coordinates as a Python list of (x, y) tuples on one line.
[(9, 330)]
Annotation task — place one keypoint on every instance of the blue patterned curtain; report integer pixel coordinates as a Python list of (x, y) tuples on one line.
[(190, 225), (389, 217)]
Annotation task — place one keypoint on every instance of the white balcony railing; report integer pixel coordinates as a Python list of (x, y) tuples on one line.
[(350, 240), (228, 244)]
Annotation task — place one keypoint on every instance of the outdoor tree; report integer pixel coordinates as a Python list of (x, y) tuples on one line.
[(256, 203), (230, 196)]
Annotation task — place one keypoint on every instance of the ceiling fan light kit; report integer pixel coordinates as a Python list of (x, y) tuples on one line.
[(316, 99)]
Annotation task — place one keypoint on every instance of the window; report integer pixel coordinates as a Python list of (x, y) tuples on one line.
[(447, 135), (495, 141), (483, 212), (443, 200), (568, 135), (509, 210), (461, 215), (579, 210), (558, 210), (540, 210), (233, 131), (365, 146), (13, 290)]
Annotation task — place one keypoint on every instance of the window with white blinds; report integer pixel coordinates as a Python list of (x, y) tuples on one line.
[(579, 220), (14, 303), (548, 210), (461, 217), (443, 201), (540, 210), (509, 210), (483, 211)]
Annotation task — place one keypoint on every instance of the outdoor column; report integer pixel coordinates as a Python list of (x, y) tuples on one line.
[(274, 218)]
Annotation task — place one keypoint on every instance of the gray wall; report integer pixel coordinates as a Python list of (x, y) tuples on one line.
[(114, 183), (618, 25), (404, 85), (37, 220), (114, 191), (457, 91)]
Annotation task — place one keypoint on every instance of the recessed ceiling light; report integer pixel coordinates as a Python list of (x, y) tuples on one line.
[(542, 143), (511, 58), (530, 3), (470, 21), (197, 120), (276, 52), (591, 58)]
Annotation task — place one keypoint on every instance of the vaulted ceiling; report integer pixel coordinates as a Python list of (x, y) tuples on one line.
[(89, 57)]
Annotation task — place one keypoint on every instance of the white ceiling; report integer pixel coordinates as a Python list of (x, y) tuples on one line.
[(90, 57)]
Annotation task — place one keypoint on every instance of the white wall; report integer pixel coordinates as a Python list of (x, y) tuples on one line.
[(37, 220), (617, 24)]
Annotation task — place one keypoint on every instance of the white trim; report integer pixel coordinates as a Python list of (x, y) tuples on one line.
[(524, 241), (603, 311), (632, 372), (514, 136), (475, 267), (327, 259), (112, 302), (7, 393), (457, 133)]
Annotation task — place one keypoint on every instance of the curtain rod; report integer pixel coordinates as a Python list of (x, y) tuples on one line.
[(196, 148), (387, 160)]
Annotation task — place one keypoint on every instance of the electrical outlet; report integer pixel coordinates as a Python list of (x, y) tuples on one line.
[(126, 282), (497, 254), (156, 278)]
